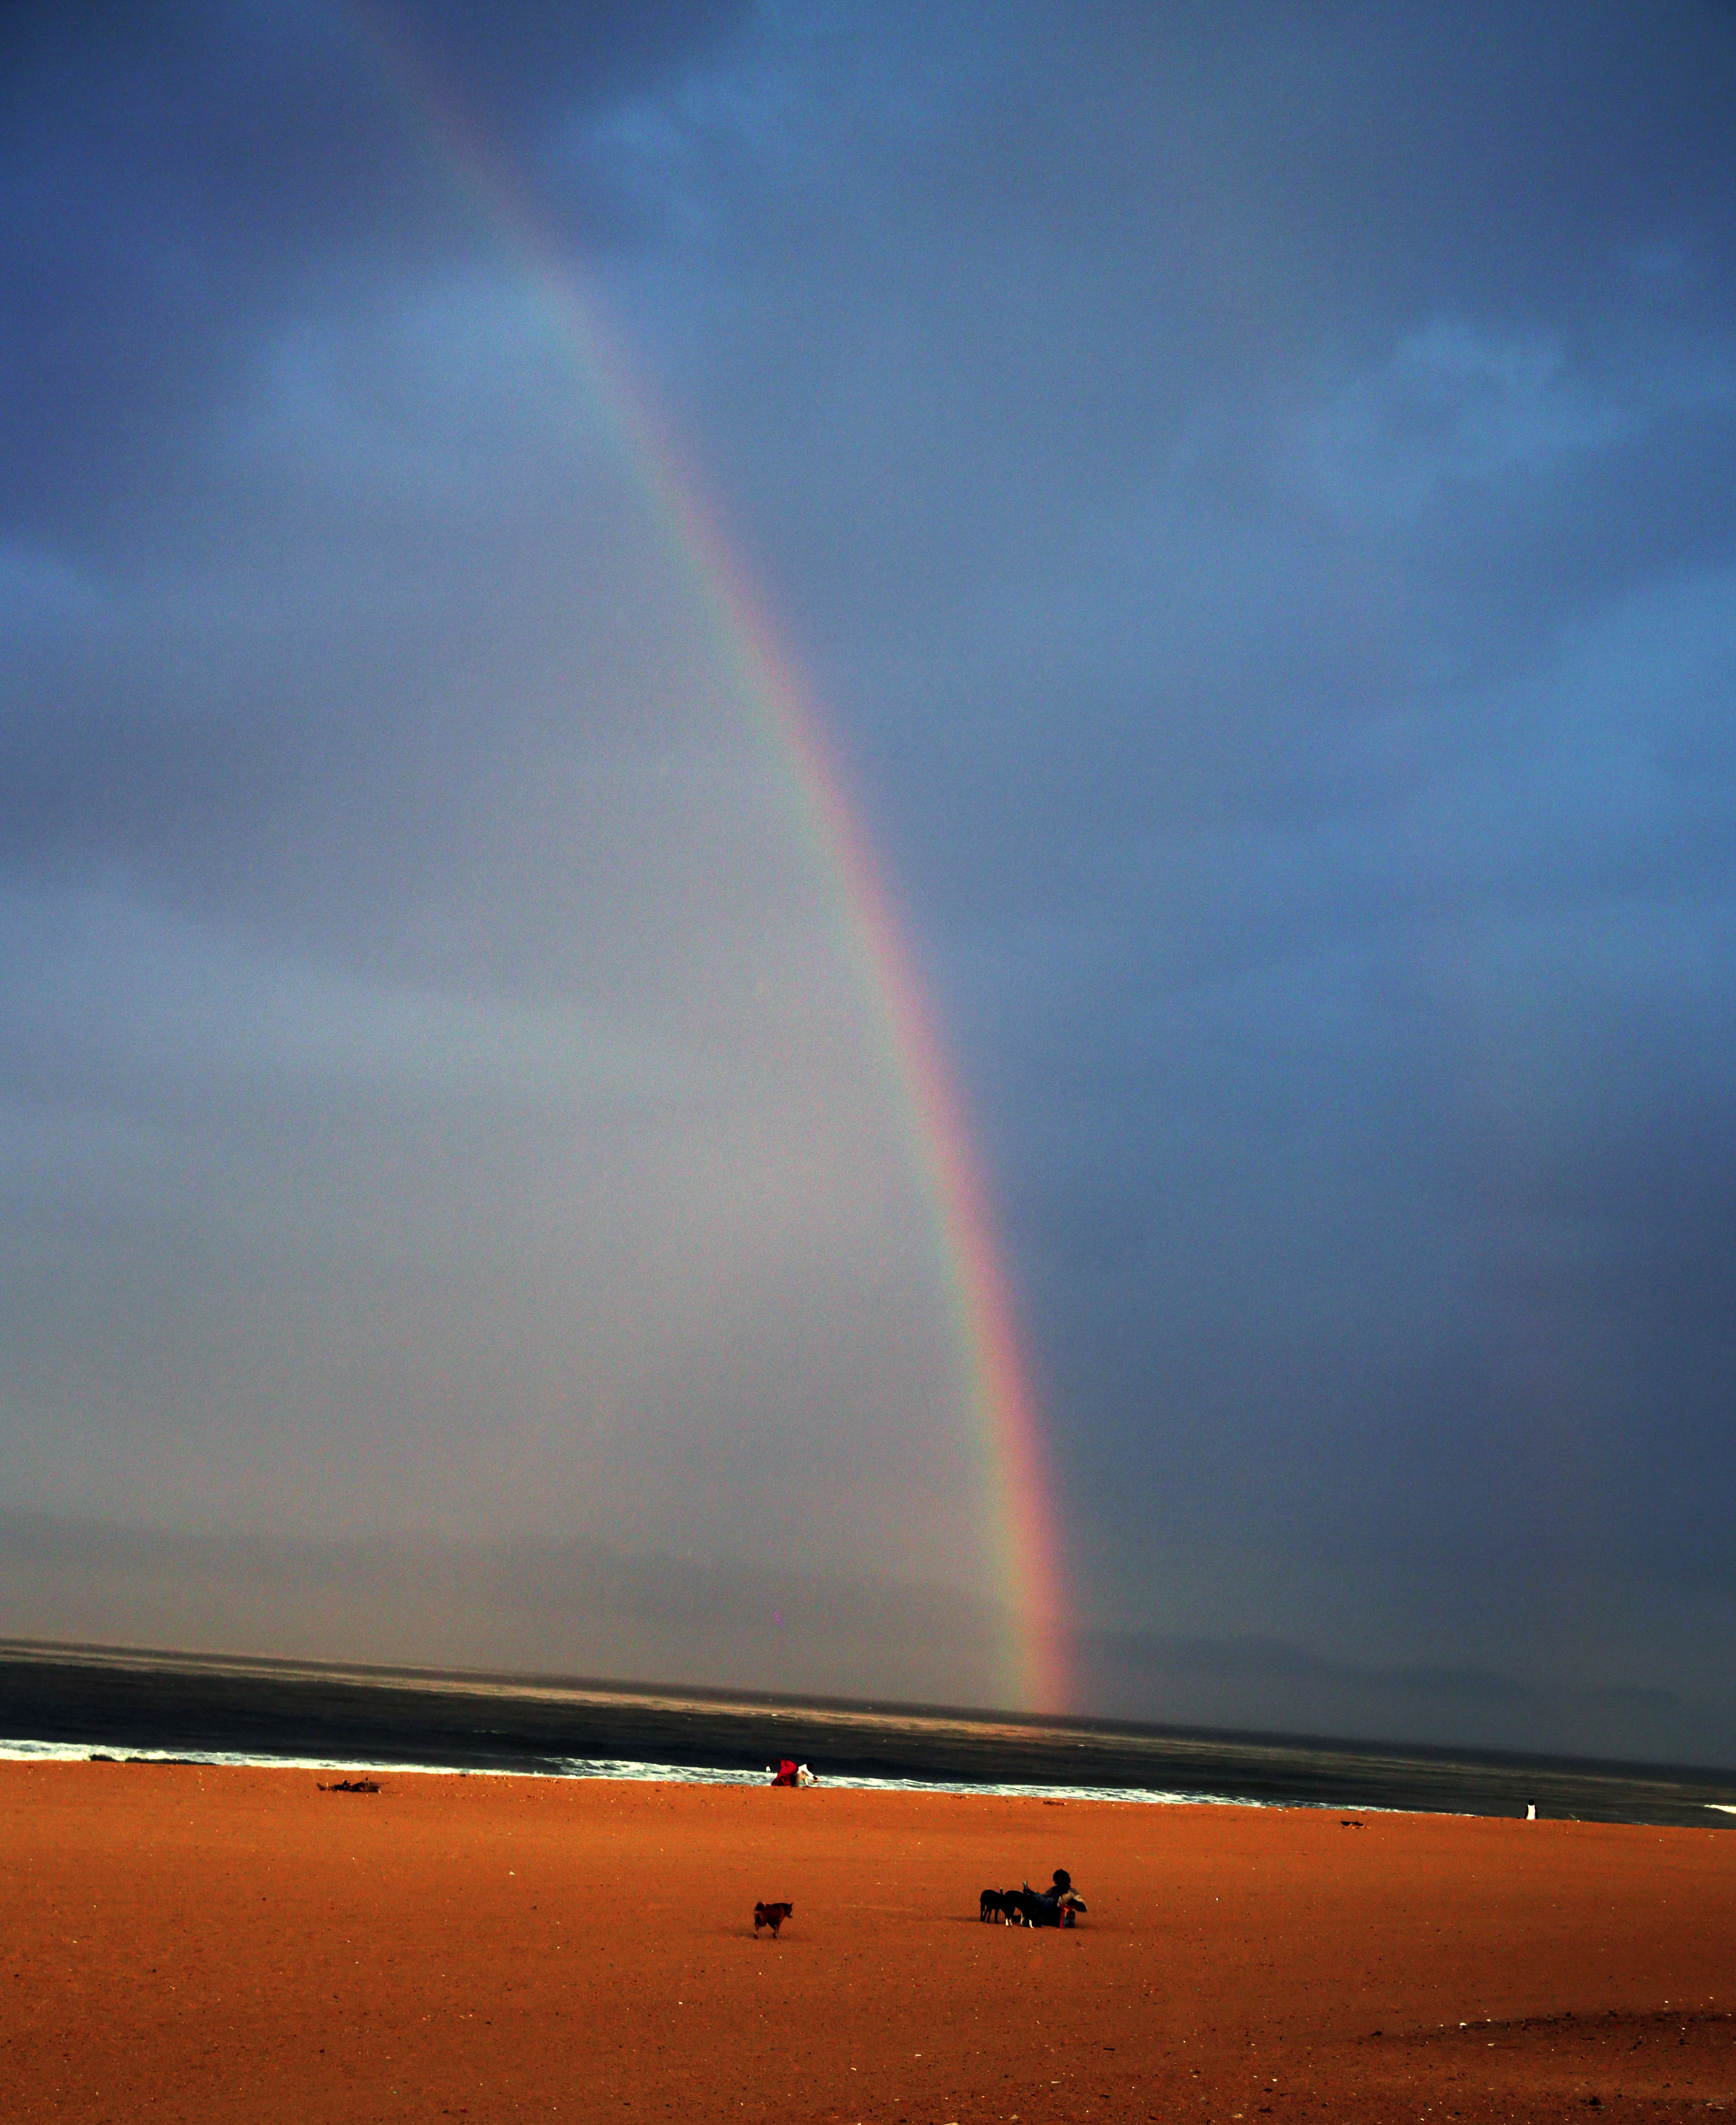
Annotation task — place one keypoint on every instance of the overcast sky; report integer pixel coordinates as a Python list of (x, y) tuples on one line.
[(1253, 489)]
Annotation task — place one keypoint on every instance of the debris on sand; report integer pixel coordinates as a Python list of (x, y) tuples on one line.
[(353, 1785)]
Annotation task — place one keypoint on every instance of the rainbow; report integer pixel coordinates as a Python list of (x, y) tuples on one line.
[(1023, 1539)]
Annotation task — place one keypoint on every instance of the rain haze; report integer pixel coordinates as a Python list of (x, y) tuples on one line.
[(1250, 495)]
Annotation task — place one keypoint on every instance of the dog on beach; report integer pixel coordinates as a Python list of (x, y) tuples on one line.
[(771, 1915), (992, 1908)]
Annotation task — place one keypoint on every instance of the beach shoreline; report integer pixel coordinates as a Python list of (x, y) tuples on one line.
[(187, 1941), (251, 1710)]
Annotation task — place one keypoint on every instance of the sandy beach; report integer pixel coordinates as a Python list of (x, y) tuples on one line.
[(210, 1944)]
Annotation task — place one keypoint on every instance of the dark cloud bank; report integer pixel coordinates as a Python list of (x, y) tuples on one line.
[(1253, 488)]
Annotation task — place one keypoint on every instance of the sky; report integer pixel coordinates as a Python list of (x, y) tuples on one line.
[(1249, 494)]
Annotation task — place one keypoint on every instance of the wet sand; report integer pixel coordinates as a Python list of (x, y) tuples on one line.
[(214, 1944)]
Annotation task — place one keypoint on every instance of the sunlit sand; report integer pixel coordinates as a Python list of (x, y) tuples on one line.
[(202, 1943)]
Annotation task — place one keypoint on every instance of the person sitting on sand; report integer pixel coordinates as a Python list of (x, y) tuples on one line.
[(1059, 1897)]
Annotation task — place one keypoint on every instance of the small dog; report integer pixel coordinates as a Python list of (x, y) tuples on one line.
[(992, 1908), (771, 1915)]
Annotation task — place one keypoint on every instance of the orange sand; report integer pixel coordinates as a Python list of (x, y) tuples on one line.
[(226, 1945)]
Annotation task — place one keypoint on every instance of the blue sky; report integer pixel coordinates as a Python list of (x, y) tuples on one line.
[(1251, 488)]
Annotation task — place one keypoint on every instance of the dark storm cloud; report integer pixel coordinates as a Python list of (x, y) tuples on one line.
[(1252, 485), (178, 177), (519, 66), (165, 170)]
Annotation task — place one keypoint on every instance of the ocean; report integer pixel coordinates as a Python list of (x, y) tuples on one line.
[(85, 1701)]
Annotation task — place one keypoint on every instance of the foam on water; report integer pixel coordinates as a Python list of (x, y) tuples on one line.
[(598, 1767), (639, 1771)]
